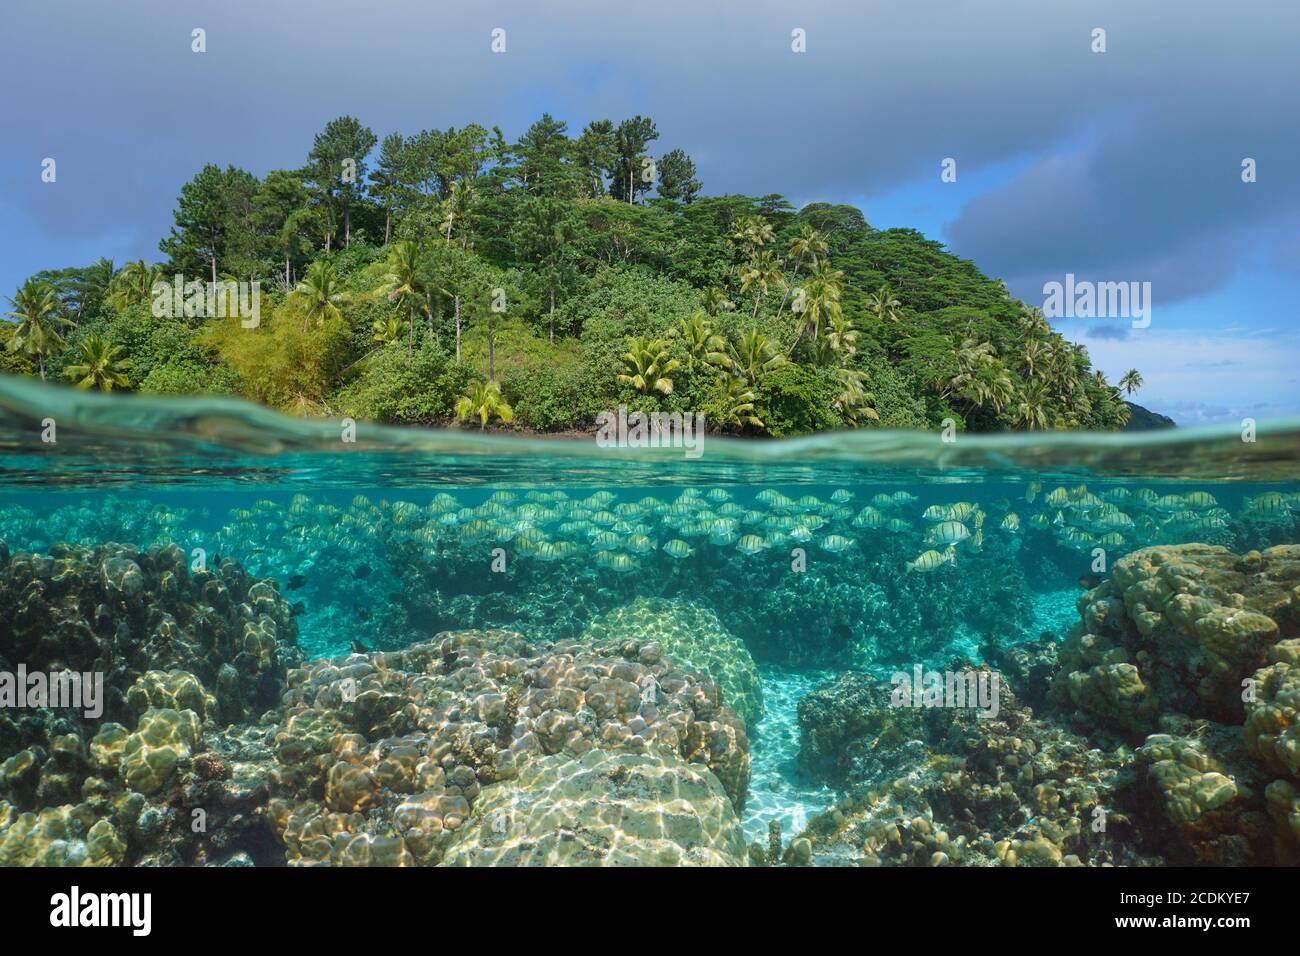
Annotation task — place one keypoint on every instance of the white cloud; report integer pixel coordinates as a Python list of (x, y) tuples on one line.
[(1199, 378)]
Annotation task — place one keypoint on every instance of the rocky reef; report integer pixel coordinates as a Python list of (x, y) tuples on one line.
[(215, 744), (1168, 734), (386, 758), (1162, 730), (183, 653), (121, 611), (694, 637), (605, 809), (940, 785)]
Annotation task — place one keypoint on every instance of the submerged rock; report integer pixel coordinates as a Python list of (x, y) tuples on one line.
[(384, 758), (182, 654), (603, 809), (694, 637), (1179, 684), (932, 786), (1178, 629)]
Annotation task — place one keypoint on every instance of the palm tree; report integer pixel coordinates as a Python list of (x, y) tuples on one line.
[(1033, 321), (90, 286), (884, 305), (100, 366), (808, 244), (821, 299), (1031, 408), (715, 300), (703, 345), (996, 390), (389, 330), (735, 403), (972, 356), (1032, 357), (752, 233), (648, 366), (853, 400), (972, 353), (754, 355), (1131, 381), (841, 336), (762, 272), (484, 402), (405, 283), (457, 205), (319, 294), (36, 307), (134, 284), (1062, 373)]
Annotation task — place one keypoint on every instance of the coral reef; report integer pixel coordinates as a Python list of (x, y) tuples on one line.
[(1201, 644), (934, 786), (1163, 729), (382, 758), (693, 637), (603, 809), (183, 654), (120, 611), (1179, 688), (1177, 629)]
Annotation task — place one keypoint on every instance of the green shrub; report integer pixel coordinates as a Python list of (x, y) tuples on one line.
[(189, 378), (549, 398), (796, 400), (898, 401), (396, 388)]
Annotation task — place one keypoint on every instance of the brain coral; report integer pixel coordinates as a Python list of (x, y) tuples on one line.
[(382, 757), (694, 637)]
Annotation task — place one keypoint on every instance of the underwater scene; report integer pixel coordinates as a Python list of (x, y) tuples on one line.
[(228, 639)]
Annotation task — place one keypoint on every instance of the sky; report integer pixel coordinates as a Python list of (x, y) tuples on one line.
[(1115, 166)]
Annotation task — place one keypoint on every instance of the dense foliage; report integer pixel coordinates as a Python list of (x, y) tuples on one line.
[(545, 280)]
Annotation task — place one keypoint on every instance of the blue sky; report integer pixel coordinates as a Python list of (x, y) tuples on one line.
[(1118, 166)]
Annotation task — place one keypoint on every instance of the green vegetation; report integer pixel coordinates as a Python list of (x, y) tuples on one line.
[(452, 275)]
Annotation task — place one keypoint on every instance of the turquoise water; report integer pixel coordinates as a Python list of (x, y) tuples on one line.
[(782, 585)]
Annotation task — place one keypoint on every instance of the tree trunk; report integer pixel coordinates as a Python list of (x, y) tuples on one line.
[(40, 363), (552, 316), (347, 226), (786, 298), (492, 354), (457, 301), (388, 225), (214, 268)]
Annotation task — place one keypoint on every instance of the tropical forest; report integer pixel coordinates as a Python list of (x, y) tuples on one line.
[(455, 278)]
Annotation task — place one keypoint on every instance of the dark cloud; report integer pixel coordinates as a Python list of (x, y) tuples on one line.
[(1128, 159)]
